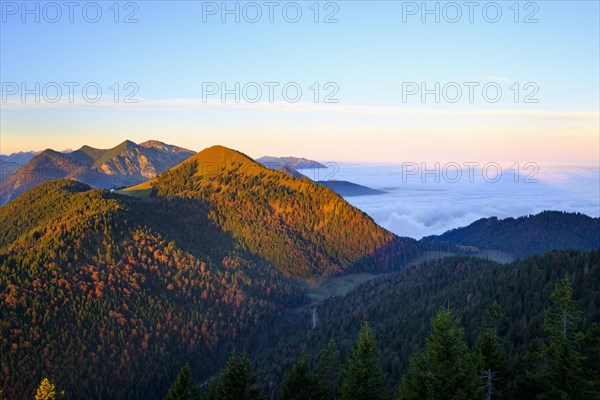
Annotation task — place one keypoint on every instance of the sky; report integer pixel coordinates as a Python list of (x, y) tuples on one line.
[(350, 81)]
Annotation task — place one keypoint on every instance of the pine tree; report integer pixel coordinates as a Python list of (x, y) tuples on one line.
[(492, 365), (492, 362), (237, 381), (561, 374), (493, 319), (329, 371), (362, 378), (528, 384), (185, 387), (563, 318), (589, 346), (47, 391), (446, 370), (301, 383)]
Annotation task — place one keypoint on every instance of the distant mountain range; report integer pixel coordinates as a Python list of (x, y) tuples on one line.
[(291, 165), (349, 189), (129, 164), (124, 165), (18, 158), (293, 162), (528, 235), (12, 162), (290, 171)]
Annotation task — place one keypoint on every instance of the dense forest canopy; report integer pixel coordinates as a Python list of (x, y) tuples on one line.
[(399, 307), (528, 235), (107, 294)]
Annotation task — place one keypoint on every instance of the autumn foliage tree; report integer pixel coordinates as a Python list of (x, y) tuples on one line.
[(47, 391)]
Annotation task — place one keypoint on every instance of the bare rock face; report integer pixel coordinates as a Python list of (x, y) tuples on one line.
[(124, 165)]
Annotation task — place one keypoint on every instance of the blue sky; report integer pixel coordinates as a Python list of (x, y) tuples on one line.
[(369, 54)]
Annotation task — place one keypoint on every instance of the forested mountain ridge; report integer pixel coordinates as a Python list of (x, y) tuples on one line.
[(108, 294), (124, 165), (303, 228), (528, 235), (399, 307)]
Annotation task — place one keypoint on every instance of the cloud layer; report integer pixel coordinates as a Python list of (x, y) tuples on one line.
[(416, 205)]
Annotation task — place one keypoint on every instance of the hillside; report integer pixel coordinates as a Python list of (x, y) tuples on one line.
[(108, 294), (124, 165), (399, 307), (303, 228), (528, 235)]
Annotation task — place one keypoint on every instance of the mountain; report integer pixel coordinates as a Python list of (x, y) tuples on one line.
[(399, 306), (349, 189), (124, 165), (528, 235), (303, 228), (18, 158), (293, 162), (343, 188), (11, 162), (286, 169), (108, 293)]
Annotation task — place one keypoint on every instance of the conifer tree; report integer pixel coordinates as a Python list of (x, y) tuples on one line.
[(527, 382), (561, 375), (237, 381), (492, 362), (184, 387), (492, 366), (329, 370), (47, 391), (446, 370), (563, 318), (589, 347), (493, 319), (301, 383), (362, 378)]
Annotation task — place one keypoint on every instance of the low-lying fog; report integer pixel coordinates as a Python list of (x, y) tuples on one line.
[(418, 204)]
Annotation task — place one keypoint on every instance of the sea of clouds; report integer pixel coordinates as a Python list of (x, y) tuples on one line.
[(417, 204)]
